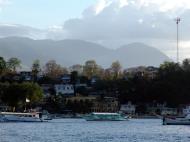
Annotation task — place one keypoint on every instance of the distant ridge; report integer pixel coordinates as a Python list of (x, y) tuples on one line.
[(68, 52)]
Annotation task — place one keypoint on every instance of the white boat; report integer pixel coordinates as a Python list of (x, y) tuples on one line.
[(19, 117), (105, 117), (177, 120), (46, 115)]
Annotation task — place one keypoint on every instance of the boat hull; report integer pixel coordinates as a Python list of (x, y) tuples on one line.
[(19, 117), (169, 121), (104, 117)]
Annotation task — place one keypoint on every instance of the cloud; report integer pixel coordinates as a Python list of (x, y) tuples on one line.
[(110, 19), (7, 30)]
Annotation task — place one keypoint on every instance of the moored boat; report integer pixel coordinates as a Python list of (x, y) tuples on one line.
[(177, 120), (20, 117), (105, 117)]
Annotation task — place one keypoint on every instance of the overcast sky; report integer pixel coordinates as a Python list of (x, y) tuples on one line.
[(108, 22)]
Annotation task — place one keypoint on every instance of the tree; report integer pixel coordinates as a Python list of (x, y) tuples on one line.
[(78, 68), (13, 64), (116, 69), (35, 69), (54, 70), (186, 65), (90, 68), (169, 70), (2, 65), (74, 77), (32, 91), (15, 94)]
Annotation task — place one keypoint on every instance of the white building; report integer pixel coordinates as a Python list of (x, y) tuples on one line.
[(128, 108), (168, 111), (64, 89), (186, 110)]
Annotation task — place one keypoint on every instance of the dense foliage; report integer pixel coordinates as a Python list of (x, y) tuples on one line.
[(15, 94)]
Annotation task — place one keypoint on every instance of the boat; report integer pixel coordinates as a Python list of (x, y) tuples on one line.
[(20, 117), (177, 120), (46, 115), (96, 116)]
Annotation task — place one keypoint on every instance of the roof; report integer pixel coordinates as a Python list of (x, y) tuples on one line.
[(15, 113), (105, 113)]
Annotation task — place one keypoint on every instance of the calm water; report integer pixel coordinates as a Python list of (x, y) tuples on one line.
[(78, 130)]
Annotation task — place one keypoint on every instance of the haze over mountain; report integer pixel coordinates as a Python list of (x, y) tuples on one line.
[(69, 52)]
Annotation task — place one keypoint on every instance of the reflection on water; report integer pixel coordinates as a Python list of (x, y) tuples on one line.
[(79, 130)]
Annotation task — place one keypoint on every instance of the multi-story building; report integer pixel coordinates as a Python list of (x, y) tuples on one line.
[(64, 89)]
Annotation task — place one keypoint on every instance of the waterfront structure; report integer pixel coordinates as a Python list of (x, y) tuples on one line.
[(128, 108), (168, 111), (64, 89), (161, 109)]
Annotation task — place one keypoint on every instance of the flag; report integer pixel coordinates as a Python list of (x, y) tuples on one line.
[(27, 100)]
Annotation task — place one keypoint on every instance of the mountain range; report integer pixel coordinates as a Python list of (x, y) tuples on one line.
[(69, 52)]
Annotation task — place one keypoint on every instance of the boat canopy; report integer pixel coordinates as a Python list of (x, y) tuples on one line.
[(103, 113), (15, 113)]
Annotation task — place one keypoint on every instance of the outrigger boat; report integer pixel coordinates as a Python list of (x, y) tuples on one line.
[(105, 117), (20, 117)]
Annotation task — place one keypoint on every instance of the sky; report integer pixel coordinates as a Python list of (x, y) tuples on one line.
[(111, 23), (41, 13)]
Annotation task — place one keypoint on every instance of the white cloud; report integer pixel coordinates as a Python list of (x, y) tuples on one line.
[(123, 3), (140, 21), (101, 4), (7, 30), (4, 3), (166, 5)]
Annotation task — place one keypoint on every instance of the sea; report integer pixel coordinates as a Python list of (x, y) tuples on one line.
[(79, 130)]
